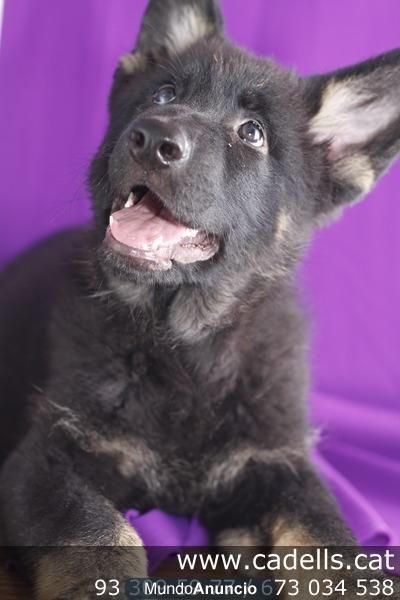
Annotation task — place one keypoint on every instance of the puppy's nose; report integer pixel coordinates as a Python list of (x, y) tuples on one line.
[(158, 141)]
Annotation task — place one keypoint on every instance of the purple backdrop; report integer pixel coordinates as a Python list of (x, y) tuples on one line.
[(56, 64)]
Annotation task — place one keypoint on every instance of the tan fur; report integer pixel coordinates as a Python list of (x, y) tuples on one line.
[(345, 120), (285, 537), (127, 536), (356, 170), (218, 59), (273, 272), (238, 537), (334, 117), (132, 63), (288, 534), (133, 457), (282, 226), (186, 27), (74, 568), (241, 540), (282, 534)]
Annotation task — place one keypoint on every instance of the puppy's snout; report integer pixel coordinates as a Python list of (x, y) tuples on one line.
[(158, 142)]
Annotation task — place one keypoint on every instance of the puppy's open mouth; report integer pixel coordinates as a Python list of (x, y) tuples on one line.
[(143, 228)]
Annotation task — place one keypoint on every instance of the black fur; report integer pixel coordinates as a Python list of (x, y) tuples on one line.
[(184, 389)]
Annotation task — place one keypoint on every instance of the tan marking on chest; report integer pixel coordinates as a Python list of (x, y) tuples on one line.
[(133, 457)]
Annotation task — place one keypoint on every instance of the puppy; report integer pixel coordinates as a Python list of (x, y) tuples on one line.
[(159, 358)]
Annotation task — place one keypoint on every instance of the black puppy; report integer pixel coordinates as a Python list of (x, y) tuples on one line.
[(159, 359)]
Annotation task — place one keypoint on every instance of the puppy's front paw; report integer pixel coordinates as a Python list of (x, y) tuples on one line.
[(89, 573)]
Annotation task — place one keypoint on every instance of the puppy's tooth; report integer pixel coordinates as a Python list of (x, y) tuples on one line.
[(156, 243), (191, 232), (129, 202), (111, 219)]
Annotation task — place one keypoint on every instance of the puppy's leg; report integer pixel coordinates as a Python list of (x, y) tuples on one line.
[(68, 533), (294, 509)]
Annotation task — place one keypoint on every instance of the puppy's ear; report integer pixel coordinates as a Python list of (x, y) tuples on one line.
[(172, 26), (355, 117)]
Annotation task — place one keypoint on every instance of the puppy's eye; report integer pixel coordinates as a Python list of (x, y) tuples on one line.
[(252, 133), (164, 95)]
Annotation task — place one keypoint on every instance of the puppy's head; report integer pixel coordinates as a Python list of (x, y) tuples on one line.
[(217, 161)]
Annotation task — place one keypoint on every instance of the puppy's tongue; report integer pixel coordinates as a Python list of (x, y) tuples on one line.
[(148, 230), (148, 226)]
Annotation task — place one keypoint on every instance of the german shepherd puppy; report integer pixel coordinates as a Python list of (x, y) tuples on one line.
[(159, 358)]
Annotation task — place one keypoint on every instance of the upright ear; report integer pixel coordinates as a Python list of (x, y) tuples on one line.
[(355, 118), (172, 26)]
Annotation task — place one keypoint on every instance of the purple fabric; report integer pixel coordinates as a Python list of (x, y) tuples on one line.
[(56, 64), (165, 535)]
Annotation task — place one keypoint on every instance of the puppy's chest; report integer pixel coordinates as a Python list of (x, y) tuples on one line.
[(165, 423), (161, 391), (166, 457), (165, 407)]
